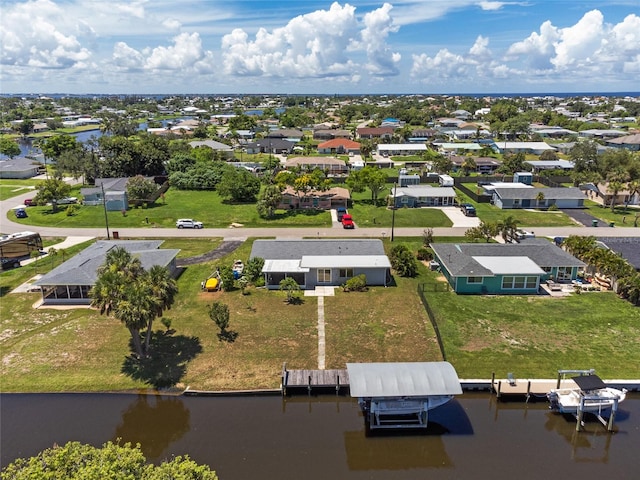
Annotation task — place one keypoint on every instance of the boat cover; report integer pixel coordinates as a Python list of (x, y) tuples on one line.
[(409, 379), (589, 382)]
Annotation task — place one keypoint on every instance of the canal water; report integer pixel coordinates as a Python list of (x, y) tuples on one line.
[(473, 436)]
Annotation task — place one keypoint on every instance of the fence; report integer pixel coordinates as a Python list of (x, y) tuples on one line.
[(434, 287)]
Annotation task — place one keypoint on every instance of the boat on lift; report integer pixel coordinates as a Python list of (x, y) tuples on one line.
[(238, 268), (591, 395)]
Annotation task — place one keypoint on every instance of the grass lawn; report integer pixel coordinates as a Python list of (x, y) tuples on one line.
[(537, 335), (621, 216), (10, 188), (79, 350), (526, 218)]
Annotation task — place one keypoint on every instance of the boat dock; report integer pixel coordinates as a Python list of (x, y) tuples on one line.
[(318, 381), (526, 388)]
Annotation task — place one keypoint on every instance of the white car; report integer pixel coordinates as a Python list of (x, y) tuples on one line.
[(188, 223)]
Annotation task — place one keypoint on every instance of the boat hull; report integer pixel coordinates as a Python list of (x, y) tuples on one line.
[(569, 400)]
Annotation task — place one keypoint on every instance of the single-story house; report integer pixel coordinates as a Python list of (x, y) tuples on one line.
[(70, 283), (291, 134), (539, 165), (600, 193), (422, 196), (536, 148), (115, 193), (388, 149), (422, 135), (322, 262), (457, 147), (19, 167), (562, 197), (375, 133), (496, 268), (223, 148), (329, 133), (329, 164), (339, 146), (627, 247), (484, 165), (270, 145), (320, 199), (630, 142)]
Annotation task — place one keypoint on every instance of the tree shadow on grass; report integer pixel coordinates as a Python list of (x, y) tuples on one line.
[(228, 336), (167, 362)]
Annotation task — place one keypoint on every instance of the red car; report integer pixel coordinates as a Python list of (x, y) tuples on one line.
[(347, 221)]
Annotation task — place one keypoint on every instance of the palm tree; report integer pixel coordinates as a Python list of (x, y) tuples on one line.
[(614, 187), (540, 198), (634, 189), (118, 292), (163, 290), (508, 228)]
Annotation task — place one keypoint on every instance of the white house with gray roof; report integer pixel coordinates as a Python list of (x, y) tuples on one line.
[(496, 268), (70, 283), (561, 197), (322, 262)]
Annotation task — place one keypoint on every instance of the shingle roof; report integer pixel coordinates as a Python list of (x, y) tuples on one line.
[(296, 249), (458, 258), (551, 193), (82, 269), (628, 247)]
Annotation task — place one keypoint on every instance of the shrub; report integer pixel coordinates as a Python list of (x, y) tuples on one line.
[(355, 284), (425, 254), (553, 207), (71, 210)]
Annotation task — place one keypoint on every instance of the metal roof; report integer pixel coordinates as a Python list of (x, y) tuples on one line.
[(410, 379), (285, 249), (355, 261), (508, 265), (282, 266)]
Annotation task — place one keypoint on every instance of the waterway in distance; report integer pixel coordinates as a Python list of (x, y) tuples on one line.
[(472, 437)]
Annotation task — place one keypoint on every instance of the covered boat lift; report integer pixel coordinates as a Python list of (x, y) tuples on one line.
[(399, 395)]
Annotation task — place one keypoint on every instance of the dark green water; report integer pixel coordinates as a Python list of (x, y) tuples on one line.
[(474, 436)]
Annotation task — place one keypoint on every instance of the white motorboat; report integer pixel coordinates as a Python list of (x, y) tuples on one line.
[(592, 395)]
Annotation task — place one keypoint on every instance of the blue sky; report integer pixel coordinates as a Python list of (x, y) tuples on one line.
[(319, 47)]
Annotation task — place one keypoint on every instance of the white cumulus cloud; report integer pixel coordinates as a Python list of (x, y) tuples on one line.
[(317, 44)]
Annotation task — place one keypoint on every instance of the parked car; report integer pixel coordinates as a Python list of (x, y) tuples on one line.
[(21, 213), (341, 211), (9, 263), (29, 202), (188, 223), (347, 221), (67, 201), (468, 209)]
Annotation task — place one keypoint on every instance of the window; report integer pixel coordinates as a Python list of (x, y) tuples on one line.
[(519, 282), (346, 272), (547, 269), (474, 279), (324, 275)]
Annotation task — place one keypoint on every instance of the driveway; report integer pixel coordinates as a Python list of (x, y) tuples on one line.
[(582, 217), (458, 218)]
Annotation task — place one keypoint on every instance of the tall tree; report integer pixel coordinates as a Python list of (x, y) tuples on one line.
[(507, 227), (125, 291), (9, 147), (268, 200), (52, 190)]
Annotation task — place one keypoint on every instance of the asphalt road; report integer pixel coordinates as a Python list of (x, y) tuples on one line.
[(230, 234)]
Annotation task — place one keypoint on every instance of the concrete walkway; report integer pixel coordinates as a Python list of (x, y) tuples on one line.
[(321, 292)]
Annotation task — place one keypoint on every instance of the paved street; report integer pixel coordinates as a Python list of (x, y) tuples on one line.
[(7, 226)]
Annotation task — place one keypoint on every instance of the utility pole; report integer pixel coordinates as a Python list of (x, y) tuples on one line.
[(104, 206), (393, 212)]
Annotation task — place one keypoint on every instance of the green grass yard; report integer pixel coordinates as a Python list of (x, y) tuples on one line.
[(79, 350)]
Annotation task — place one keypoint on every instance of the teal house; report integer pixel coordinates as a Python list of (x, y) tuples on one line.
[(495, 268)]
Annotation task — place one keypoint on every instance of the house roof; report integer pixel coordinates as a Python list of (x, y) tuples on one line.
[(285, 133), (18, 164), (626, 140), (82, 269), (417, 191), (296, 249), (341, 261), (509, 265), (553, 193), (402, 146), (211, 144), (627, 247), (335, 192), (375, 131), (473, 259), (403, 379), (339, 142), (295, 161)]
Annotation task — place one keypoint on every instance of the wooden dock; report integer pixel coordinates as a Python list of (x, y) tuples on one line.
[(297, 381), (517, 387)]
